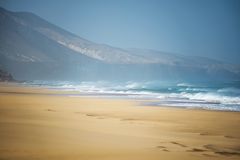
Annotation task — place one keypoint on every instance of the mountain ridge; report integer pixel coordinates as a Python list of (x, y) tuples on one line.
[(31, 44)]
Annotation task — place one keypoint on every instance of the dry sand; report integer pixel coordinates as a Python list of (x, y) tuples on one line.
[(38, 124)]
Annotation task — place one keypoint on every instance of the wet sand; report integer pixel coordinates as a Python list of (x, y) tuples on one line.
[(45, 124)]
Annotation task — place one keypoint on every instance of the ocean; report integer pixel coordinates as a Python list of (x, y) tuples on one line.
[(211, 95)]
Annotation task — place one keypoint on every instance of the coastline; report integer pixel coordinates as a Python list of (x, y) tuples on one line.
[(37, 125)]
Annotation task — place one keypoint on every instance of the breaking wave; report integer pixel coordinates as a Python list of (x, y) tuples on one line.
[(207, 96)]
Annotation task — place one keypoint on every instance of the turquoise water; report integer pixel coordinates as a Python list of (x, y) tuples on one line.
[(211, 95)]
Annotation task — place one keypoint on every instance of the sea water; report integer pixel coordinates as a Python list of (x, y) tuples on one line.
[(208, 95)]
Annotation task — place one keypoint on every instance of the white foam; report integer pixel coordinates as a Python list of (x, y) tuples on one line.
[(184, 85), (188, 96)]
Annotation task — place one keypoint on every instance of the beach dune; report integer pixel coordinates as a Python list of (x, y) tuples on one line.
[(45, 124)]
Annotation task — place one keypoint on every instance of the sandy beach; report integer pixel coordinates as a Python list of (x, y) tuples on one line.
[(45, 124)]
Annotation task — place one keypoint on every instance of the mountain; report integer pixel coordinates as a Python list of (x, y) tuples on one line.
[(5, 76), (33, 49)]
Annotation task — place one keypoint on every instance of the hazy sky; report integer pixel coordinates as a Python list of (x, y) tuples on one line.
[(195, 27)]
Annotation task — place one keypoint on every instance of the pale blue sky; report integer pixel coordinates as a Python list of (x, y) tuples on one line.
[(209, 28)]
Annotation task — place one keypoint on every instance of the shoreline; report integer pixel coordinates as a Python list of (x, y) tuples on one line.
[(18, 88)]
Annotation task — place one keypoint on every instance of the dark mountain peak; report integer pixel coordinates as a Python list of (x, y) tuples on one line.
[(5, 76), (3, 10)]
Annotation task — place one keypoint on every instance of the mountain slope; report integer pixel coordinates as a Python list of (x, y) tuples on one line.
[(101, 52), (32, 48), (29, 54)]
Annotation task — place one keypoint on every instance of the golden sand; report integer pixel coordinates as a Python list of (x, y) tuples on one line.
[(40, 124)]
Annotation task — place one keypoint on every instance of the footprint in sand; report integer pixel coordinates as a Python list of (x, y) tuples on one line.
[(51, 110), (227, 136), (95, 116), (223, 151), (163, 148), (179, 144), (91, 115), (196, 150), (204, 134)]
